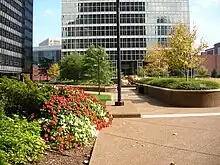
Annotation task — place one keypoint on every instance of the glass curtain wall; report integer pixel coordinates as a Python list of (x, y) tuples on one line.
[(143, 22)]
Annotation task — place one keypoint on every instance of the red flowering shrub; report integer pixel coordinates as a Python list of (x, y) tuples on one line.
[(72, 118)]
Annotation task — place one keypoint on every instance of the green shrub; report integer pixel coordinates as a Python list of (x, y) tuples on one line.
[(214, 73), (180, 83), (20, 141), (198, 85), (23, 98), (145, 80), (202, 71), (79, 82), (2, 111), (164, 82)]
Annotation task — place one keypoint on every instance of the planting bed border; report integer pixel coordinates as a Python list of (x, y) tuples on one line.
[(182, 98), (109, 89)]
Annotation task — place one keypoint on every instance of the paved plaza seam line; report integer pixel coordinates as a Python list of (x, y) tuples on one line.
[(172, 125), (166, 146), (180, 115)]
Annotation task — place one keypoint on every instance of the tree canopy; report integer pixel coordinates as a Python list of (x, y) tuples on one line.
[(71, 66), (97, 65), (156, 61), (54, 71), (182, 52)]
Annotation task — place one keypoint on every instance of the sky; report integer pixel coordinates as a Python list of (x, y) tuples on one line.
[(204, 14)]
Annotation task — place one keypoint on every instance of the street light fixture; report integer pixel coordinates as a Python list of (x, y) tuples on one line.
[(119, 102)]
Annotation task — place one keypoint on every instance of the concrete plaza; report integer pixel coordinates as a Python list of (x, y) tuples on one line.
[(183, 140)]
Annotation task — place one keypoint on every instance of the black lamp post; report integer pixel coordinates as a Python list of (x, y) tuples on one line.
[(119, 102)]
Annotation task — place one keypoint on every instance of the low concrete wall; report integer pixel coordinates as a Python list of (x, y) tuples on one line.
[(93, 88), (182, 98)]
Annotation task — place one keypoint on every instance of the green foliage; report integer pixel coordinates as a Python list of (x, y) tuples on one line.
[(44, 65), (177, 73), (156, 61), (145, 80), (182, 53), (23, 98), (2, 107), (202, 71), (141, 72), (103, 98), (54, 71), (20, 141), (214, 73), (71, 67), (97, 65), (164, 82), (180, 83), (198, 85), (80, 82)]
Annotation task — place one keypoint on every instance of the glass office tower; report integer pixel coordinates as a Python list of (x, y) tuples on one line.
[(16, 24), (143, 22)]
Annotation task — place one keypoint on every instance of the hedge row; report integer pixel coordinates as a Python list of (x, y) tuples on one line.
[(180, 83)]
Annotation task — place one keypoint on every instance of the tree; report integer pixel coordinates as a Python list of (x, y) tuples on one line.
[(97, 65), (202, 71), (156, 61), (71, 67), (141, 72), (181, 52), (44, 65), (214, 73), (177, 72), (54, 71)]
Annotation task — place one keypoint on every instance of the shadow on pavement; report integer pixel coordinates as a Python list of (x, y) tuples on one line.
[(144, 99)]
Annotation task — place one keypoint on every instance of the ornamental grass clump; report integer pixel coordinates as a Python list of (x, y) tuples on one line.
[(71, 118)]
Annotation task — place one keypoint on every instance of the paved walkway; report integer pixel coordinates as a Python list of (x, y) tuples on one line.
[(146, 106), (158, 141), (184, 141)]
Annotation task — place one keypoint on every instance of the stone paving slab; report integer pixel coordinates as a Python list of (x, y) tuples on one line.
[(119, 151), (126, 111), (189, 138), (210, 124), (143, 142)]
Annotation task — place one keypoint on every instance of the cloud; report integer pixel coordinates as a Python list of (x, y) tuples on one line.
[(48, 12)]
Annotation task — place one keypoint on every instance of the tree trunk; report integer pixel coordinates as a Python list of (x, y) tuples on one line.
[(186, 74)]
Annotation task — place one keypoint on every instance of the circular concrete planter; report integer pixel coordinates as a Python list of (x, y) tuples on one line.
[(182, 98)]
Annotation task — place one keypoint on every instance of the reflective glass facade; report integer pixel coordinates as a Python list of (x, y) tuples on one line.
[(16, 21), (49, 52), (143, 22)]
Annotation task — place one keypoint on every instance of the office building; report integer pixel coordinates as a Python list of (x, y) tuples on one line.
[(143, 23), (48, 50), (215, 50), (49, 42), (16, 24), (212, 58)]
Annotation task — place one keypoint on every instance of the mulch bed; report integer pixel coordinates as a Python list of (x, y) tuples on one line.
[(71, 157)]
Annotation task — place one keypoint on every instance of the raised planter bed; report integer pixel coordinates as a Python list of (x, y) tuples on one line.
[(110, 89), (182, 98)]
